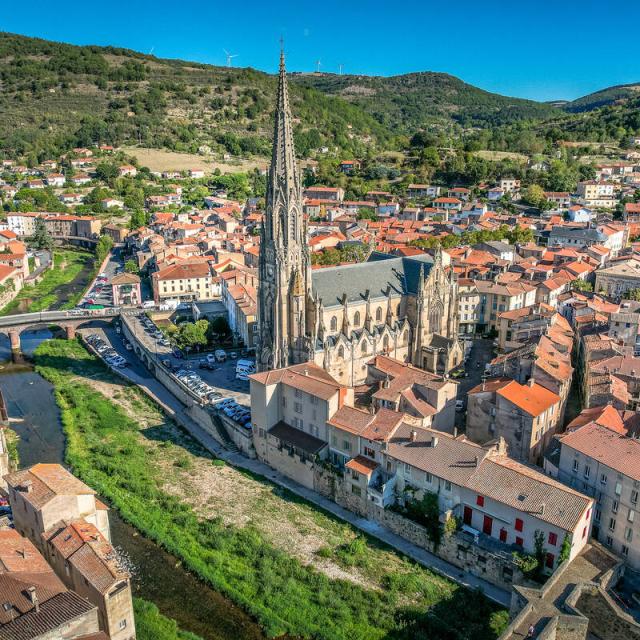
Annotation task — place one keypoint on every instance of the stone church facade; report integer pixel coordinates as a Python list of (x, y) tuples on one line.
[(341, 317)]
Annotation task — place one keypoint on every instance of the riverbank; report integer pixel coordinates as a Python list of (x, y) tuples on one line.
[(186, 606), (296, 569), (61, 287)]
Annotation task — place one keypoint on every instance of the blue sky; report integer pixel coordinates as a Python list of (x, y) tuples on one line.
[(539, 49)]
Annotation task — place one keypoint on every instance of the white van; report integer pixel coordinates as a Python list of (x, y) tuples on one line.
[(245, 366), (220, 354)]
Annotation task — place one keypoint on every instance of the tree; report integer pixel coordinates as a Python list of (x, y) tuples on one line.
[(138, 219), (534, 195), (192, 335), (41, 239), (130, 266), (107, 171), (581, 285), (105, 244), (367, 214), (565, 550), (220, 327)]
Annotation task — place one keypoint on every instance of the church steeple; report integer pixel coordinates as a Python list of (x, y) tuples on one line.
[(284, 269)]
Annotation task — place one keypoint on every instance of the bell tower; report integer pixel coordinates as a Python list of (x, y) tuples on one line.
[(284, 267)]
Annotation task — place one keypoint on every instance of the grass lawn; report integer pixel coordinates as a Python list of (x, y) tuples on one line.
[(152, 625), (139, 467), (67, 267)]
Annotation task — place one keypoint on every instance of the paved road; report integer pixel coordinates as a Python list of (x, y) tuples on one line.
[(174, 408), (113, 266), (481, 353)]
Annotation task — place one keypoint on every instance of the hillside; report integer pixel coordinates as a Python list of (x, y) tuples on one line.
[(605, 97), (54, 96), (412, 101)]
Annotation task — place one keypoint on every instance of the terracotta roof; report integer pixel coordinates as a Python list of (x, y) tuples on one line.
[(608, 447), (362, 465), (47, 482), (606, 416), (533, 399), (307, 377)]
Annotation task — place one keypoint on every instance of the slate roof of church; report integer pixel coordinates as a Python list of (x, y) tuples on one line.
[(376, 275)]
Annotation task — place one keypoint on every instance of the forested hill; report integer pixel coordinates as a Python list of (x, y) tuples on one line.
[(415, 100), (56, 96), (53, 96), (619, 94)]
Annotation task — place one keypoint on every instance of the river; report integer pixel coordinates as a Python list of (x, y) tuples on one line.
[(156, 575)]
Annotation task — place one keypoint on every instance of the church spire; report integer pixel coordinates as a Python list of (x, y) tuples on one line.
[(284, 172)]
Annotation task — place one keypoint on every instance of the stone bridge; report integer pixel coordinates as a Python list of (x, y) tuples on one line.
[(69, 321)]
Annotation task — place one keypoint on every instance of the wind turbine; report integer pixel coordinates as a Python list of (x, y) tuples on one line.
[(318, 64), (340, 69), (230, 57)]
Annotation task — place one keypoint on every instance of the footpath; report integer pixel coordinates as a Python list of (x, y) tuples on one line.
[(174, 408)]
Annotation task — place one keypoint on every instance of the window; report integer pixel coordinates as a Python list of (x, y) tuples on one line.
[(364, 348), (356, 319), (612, 524), (447, 485), (614, 506), (628, 534), (370, 453), (603, 479), (634, 497), (480, 501), (519, 524), (334, 440), (354, 474), (122, 624), (553, 538), (356, 490), (587, 471), (631, 515), (378, 314), (519, 541), (346, 445), (625, 550), (618, 488), (503, 535), (576, 464), (597, 515), (584, 533), (407, 469), (429, 477), (334, 323), (341, 353), (297, 407), (609, 541)]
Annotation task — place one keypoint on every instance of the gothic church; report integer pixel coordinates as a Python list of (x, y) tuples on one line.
[(341, 317)]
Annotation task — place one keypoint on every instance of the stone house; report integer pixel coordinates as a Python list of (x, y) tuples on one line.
[(87, 563), (44, 494), (525, 415)]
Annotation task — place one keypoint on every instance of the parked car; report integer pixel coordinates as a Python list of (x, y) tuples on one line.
[(459, 405), (219, 354)]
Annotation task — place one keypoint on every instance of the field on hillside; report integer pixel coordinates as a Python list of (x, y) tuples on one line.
[(496, 156), (162, 160)]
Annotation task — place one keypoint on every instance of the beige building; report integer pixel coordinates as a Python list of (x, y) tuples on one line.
[(619, 278), (604, 462), (183, 281), (525, 415), (290, 408), (428, 397), (44, 494), (87, 563), (495, 299)]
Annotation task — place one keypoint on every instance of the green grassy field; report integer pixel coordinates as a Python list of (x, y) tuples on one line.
[(110, 451), (67, 266), (152, 625)]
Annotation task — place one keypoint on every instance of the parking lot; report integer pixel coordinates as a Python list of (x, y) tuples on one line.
[(220, 376)]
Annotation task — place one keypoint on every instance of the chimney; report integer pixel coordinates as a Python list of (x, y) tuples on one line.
[(455, 432), (33, 596), (531, 382), (475, 461), (413, 435), (27, 486), (542, 507), (434, 441)]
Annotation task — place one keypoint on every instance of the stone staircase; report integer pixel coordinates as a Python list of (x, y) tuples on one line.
[(222, 432)]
